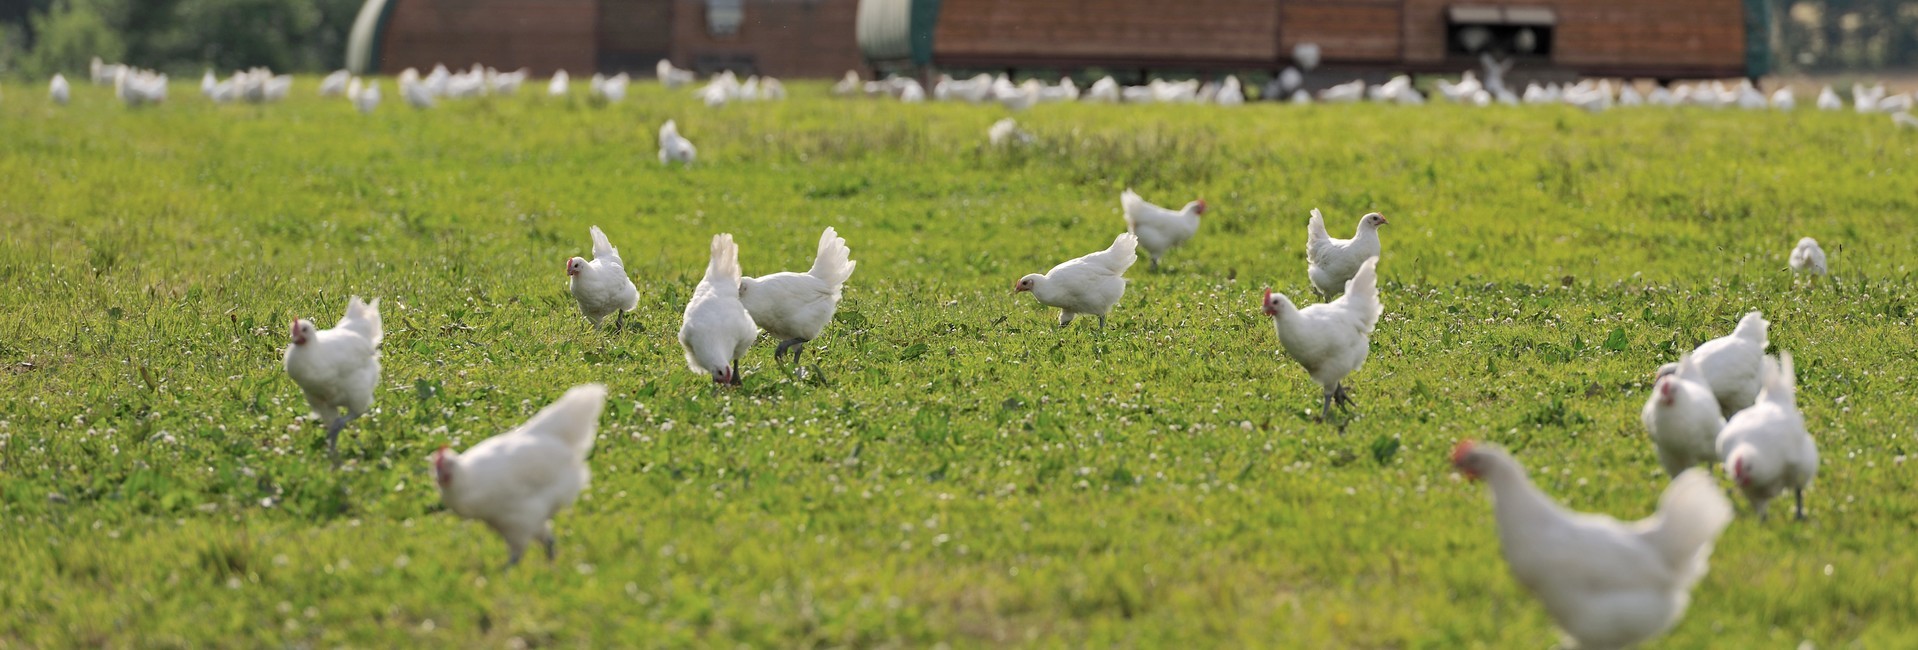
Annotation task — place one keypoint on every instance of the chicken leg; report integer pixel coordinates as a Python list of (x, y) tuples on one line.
[(1799, 496), (797, 344), (546, 539), (333, 437)]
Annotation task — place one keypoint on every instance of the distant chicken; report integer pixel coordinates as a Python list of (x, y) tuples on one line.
[(1683, 419), (717, 329), (601, 286), (1731, 363), (1606, 583), (670, 76), (1331, 340), (1807, 257), (1159, 230), (1006, 132), (367, 98), (794, 307), (1766, 448), (334, 85), (673, 147), (1329, 262), (1828, 100), (1088, 285), (559, 85), (338, 368), (516, 481), (58, 89)]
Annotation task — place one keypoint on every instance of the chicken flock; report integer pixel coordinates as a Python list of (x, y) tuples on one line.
[(1606, 583)]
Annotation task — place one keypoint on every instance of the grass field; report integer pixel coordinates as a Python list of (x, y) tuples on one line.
[(958, 470)]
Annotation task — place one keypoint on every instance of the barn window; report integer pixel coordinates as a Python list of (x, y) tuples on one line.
[(1504, 31), (723, 16)]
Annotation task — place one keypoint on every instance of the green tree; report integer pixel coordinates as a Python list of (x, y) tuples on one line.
[(67, 37)]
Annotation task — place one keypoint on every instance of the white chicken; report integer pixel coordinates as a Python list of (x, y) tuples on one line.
[(337, 368), (368, 98), (416, 93), (334, 84), (1766, 448), (1731, 363), (1091, 284), (1606, 583), (673, 147), (1828, 100), (1006, 132), (1807, 257), (1159, 230), (58, 90), (1331, 340), (717, 330), (559, 85), (794, 307), (601, 287), (671, 76), (516, 481), (1683, 419), (1331, 263)]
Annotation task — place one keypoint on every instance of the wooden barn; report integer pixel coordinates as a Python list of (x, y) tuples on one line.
[(1626, 38), (784, 38)]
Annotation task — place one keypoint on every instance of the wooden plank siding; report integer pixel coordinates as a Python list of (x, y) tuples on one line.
[(1116, 30), (1611, 36), (782, 38), (543, 35), (1368, 32), (634, 34)]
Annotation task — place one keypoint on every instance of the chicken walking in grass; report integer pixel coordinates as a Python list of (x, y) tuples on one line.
[(1331, 340), (337, 368), (1089, 285), (1159, 230), (601, 286), (673, 147), (1765, 448), (795, 307), (1731, 364), (517, 481), (1683, 419), (717, 330), (1606, 583), (1330, 263), (1808, 258)]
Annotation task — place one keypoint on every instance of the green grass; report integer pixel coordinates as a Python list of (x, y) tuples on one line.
[(962, 472)]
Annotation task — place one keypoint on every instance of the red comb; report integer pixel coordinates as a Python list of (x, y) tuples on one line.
[(1464, 447)]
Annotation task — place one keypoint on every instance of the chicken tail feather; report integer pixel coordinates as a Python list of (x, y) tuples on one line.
[(834, 263), (572, 419), (364, 319), (1691, 514)]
